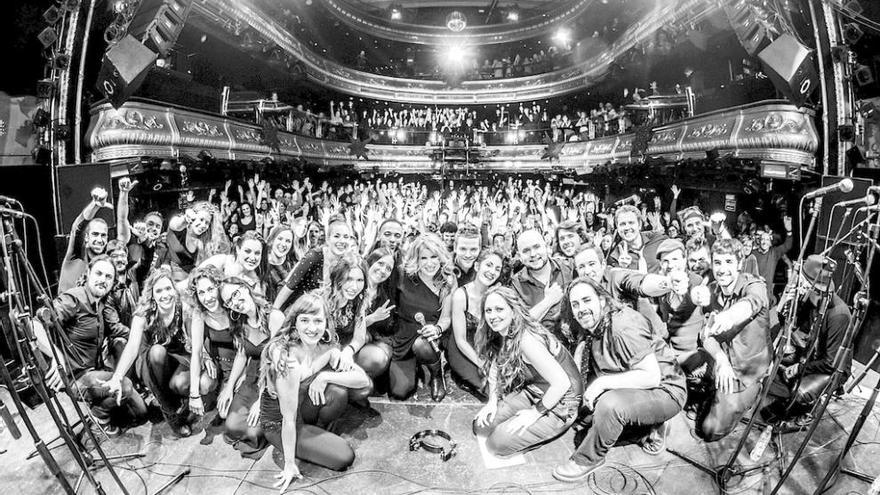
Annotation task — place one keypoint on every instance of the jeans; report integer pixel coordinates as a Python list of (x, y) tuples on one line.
[(93, 392), (501, 442), (721, 413), (616, 409)]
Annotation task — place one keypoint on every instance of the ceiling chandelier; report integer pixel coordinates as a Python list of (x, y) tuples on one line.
[(456, 21)]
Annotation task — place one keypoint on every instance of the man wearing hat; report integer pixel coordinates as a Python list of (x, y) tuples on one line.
[(788, 395), (683, 316)]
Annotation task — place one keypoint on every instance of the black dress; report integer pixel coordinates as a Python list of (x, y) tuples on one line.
[(413, 296)]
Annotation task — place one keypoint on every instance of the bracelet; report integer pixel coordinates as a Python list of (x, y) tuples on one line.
[(353, 350), (541, 408), (195, 397)]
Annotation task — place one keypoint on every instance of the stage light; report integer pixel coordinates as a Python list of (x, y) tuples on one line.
[(562, 37), (48, 37), (852, 33), (396, 13), (52, 15), (41, 118), (513, 16), (61, 61), (456, 21), (45, 88), (400, 135)]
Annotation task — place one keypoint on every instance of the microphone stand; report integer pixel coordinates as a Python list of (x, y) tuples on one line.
[(723, 474), (32, 357), (873, 232), (841, 363)]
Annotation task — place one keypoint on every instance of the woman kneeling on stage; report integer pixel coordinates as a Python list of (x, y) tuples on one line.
[(305, 389), (632, 376), (534, 386)]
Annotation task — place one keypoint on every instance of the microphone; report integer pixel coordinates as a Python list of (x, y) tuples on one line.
[(867, 201), (846, 185), (420, 319), (633, 198)]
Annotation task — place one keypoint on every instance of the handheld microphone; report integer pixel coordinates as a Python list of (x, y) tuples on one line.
[(867, 201), (633, 198), (420, 319), (845, 185)]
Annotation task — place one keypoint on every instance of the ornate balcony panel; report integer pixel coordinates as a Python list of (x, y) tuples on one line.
[(767, 131), (367, 85), (363, 20)]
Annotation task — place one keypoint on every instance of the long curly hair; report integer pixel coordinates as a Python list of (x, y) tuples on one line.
[(191, 297), (214, 240), (237, 321), (569, 323), (287, 340), (336, 301), (445, 276), (506, 351), (273, 234), (252, 235), (148, 309)]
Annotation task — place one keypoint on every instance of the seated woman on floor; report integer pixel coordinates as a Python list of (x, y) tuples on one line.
[(534, 386), (631, 374), (252, 324), (305, 390)]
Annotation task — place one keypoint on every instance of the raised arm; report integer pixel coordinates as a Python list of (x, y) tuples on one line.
[(123, 228)]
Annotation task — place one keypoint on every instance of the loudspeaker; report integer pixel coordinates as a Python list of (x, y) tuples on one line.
[(791, 67), (75, 184), (123, 70), (830, 225), (158, 23)]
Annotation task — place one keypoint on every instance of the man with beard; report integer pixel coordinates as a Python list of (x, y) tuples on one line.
[(634, 250), (768, 255), (540, 282), (88, 238), (698, 259), (86, 321), (123, 297), (466, 251), (736, 343), (814, 364)]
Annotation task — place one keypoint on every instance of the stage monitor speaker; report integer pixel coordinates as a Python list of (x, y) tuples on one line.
[(791, 67), (833, 221), (123, 70), (75, 184), (158, 23)]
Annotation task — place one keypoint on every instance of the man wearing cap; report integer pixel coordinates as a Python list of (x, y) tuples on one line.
[(814, 368), (682, 313)]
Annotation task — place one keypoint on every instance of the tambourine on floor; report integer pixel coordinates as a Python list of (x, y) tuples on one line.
[(386, 465)]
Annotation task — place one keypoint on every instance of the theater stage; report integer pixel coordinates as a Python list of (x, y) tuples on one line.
[(385, 465)]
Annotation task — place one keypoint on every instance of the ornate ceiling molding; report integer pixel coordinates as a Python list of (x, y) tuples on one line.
[(536, 87), (766, 131), (361, 19)]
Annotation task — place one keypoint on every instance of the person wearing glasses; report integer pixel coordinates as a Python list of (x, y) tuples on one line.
[(313, 270), (252, 322), (158, 348)]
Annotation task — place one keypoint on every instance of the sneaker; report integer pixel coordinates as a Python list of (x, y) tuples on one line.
[(796, 424), (105, 427), (572, 471)]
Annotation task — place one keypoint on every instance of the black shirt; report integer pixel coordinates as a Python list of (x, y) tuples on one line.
[(86, 322)]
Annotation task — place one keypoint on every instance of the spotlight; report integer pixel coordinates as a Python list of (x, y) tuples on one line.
[(456, 21), (852, 33), (48, 37), (41, 118), (513, 15), (455, 57), (45, 88), (562, 37), (69, 4), (52, 15), (61, 61), (401, 135), (864, 76), (41, 155), (396, 13), (846, 133), (62, 131)]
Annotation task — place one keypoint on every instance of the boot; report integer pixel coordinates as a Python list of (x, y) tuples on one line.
[(434, 376)]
